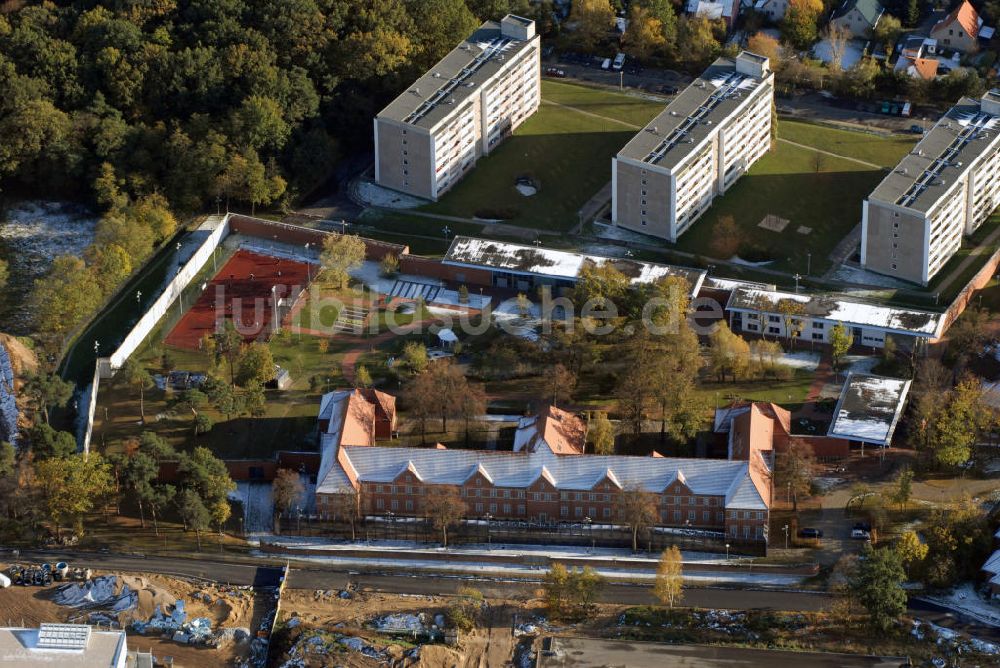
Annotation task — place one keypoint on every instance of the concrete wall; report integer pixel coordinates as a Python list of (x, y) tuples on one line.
[(294, 234), (628, 198), (880, 225)]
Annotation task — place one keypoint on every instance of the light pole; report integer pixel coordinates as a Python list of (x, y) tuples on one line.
[(446, 231), (274, 305), (809, 258), (489, 537), (797, 277), (218, 205), (785, 528), (308, 264), (590, 530), (788, 498), (97, 348), (138, 298), (390, 517), (727, 552)]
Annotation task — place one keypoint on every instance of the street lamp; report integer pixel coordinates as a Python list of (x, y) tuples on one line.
[(590, 530), (809, 258), (785, 528), (97, 347), (797, 277), (727, 552), (446, 231), (308, 264), (274, 305), (489, 537), (138, 298)]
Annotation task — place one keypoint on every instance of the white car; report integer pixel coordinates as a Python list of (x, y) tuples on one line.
[(860, 534), (606, 64), (619, 61)]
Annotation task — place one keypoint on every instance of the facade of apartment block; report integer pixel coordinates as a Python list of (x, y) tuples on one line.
[(695, 149), (944, 189), (433, 133)]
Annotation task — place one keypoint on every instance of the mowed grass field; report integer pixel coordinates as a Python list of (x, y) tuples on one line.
[(566, 147), (809, 188)]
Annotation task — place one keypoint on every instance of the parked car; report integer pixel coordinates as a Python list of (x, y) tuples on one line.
[(619, 61), (606, 64), (668, 89), (916, 129), (555, 72), (810, 532), (861, 534)]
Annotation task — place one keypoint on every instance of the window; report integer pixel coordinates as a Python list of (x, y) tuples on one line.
[(379, 504), (493, 508), (643, 192), (773, 318), (506, 509), (394, 504), (409, 505), (817, 336), (705, 515), (691, 515), (773, 330), (479, 508), (520, 509), (643, 223), (893, 266), (578, 511), (607, 512), (677, 516)]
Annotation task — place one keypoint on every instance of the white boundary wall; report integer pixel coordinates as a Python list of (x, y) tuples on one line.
[(105, 366)]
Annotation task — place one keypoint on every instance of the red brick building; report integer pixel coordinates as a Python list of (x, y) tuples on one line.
[(537, 483)]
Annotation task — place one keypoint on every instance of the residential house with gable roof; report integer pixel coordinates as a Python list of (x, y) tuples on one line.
[(858, 18), (959, 29)]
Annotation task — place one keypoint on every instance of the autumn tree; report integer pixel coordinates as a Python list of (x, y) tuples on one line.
[(193, 513), (602, 287), (256, 365), (792, 313), (902, 488), (765, 45), (287, 491), (726, 237), (840, 343), (911, 551), (63, 297), (729, 353), (644, 36), (638, 510), (591, 21), (956, 427), (72, 486), (341, 254), (444, 507), (887, 31), (801, 22), (570, 593), (698, 38), (601, 434), (668, 586)]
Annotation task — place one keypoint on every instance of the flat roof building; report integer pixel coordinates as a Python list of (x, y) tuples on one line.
[(914, 220), (869, 408), (695, 149), (760, 311), (57, 645), (459, 110), (523, 267)]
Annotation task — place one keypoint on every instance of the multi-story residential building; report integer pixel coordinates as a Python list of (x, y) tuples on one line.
[(695, 149), (548, 480), (435, 131), (914, 220)]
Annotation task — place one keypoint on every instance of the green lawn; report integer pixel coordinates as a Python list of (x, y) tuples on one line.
[(568, 153), (807, 188), (885, 151), (788, 393)]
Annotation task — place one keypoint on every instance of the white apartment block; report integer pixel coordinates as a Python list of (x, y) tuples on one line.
[(945, 188), (458, 111), (695, 149)]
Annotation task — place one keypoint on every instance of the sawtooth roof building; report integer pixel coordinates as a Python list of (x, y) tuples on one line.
[(546, 480), (433, 133), (62, 646), (695, 149), (944, 189)]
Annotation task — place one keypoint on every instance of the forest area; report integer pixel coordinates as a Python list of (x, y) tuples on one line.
[(149, 111)]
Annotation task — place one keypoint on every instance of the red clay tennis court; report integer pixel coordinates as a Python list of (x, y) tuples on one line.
[(246, 281)]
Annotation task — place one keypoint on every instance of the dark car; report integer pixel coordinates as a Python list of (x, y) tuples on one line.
[(555, 72), (916, 129), (809, 532), (669, 90)]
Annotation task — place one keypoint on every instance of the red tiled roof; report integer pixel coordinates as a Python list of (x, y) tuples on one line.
[(564, 432), (966, 16), (926, 67)]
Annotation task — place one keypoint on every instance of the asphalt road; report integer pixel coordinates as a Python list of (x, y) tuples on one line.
[(595, 653), (267, 573)]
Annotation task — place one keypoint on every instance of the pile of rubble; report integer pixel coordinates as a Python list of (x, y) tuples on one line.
[(952, 641)]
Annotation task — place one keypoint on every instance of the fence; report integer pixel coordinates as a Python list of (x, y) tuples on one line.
[(217, 229), (977, 282)]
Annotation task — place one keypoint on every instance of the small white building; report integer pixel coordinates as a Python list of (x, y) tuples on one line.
[(759, 311), (62, 646)]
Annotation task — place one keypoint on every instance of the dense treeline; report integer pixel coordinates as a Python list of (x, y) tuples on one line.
[(147, 108), (250, 100)]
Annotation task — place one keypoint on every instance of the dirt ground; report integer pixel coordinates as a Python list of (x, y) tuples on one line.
[(490, 645), (230, 607)]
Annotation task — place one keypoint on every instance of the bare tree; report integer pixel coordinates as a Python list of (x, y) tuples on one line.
[(638, 511), (445, 507), (287, 491), (794, 470), (346, 506), (559, 384), (837, 37)]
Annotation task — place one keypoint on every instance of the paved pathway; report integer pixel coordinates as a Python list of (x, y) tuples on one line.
[(592, 115), (832, 155)]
